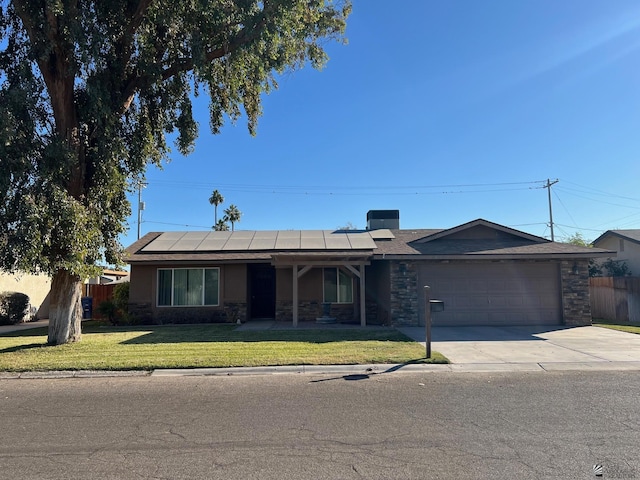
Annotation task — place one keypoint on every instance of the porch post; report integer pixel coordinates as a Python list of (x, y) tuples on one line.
[(363, 313), (295, 295)]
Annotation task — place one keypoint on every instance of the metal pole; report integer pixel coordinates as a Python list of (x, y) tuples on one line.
[(427, 318), (548, 187), (139, 211)]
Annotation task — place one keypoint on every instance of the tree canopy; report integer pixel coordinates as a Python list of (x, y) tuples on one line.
[(90, 89)]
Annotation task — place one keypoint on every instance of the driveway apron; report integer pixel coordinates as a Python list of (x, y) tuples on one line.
[(524, 344)]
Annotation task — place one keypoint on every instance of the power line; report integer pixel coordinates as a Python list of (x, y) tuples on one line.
[(178, 224)]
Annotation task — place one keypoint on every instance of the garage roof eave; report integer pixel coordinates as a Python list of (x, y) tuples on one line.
[(489, 256)]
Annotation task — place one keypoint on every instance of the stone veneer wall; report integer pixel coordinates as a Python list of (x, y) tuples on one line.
[(404, 293), (576, 305)]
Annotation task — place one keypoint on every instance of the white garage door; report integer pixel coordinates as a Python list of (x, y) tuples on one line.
[(494, 293)]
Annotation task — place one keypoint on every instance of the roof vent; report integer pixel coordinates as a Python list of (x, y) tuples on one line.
[(377, 219)]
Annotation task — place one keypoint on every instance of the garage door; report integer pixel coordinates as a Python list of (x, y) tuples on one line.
[(494, 293)]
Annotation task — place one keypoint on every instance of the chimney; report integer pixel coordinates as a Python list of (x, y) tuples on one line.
[(377, 219)]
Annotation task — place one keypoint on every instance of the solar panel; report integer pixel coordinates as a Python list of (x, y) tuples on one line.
[(212, 241), (381, 234), (189, 241), (288, 240), (361, 240), (336, 241)]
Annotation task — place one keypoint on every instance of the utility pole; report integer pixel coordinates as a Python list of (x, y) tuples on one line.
[(548, 187), (141, 185)]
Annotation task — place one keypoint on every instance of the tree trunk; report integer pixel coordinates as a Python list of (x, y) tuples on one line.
[(65, 311)]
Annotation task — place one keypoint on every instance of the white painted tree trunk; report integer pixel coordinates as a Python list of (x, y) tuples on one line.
[(65, 311)]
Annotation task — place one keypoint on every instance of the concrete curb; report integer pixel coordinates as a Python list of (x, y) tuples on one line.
[(74, 374), (342, 370), (303, 370)]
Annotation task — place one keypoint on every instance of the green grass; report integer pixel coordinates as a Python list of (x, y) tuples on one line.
[(624, 327), (196, 346)]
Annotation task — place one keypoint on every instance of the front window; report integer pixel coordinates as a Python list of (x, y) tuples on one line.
[(338, 286), (178, 287)]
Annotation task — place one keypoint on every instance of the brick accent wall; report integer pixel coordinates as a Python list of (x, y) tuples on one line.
[(310, 311), (307, 311), (404, 293), (576, 305), (229, 313)]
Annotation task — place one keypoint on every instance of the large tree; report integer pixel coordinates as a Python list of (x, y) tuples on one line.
[(232, 215), (215, 199), (90, 88)]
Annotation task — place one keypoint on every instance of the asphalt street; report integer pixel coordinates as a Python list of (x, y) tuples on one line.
[(526, 425)]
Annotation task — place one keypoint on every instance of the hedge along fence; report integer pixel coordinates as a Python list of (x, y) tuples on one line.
[(615, 298), (14, 308)]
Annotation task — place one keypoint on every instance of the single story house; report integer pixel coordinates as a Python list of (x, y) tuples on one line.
[(626, 244), (486, 274)]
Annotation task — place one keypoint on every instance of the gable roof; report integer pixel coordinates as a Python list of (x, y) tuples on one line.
[(484, 223), (479, 239), (633, 235)]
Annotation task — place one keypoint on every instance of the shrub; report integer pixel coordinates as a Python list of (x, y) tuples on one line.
[(121, 295), (14, 307), (617, 268), (109, 310)]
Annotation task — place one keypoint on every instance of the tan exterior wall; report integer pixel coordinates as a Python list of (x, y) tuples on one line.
[(37, 287), (233, 295), (234, 299), (630, 255), (234, 283), (309, 285)]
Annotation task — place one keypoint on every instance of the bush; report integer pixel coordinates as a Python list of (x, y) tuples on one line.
[(617, 268), (121, 295), (109, 310), (116, 309), (14, 307)]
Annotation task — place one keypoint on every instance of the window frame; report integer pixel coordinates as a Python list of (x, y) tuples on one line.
[(204, 290), (338, 301)]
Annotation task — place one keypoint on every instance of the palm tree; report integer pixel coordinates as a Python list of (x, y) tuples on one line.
[(216, 199), (221, 226), (232, 214)]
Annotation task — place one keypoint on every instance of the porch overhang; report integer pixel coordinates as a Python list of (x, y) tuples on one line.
[(301, 263)]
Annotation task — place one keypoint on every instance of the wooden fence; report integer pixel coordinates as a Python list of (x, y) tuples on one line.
[(615, 298), (99, 293)]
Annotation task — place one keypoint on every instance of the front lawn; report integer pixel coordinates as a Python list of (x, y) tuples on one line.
[(196, 346), (630, 328)]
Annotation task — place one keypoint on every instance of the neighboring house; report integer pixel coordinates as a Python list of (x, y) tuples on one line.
[(37, 287), (626, 244), (486, 274), (109, 276)]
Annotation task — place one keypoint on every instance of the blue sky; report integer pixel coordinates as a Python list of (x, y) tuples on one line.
[(446, 110)]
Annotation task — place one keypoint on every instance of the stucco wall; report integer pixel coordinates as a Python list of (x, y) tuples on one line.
[(37, 287), (309, 285), (630, 255), (233, 294)]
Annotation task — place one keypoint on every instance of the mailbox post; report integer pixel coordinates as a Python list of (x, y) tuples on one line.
[(427, 318), (430, 306)]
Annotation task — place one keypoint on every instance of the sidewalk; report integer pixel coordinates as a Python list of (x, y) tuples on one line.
[(23, 326)]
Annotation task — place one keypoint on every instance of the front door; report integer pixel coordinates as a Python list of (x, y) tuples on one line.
[(262, 291)]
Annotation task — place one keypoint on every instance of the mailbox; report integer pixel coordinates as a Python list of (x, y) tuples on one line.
[(436, 306)]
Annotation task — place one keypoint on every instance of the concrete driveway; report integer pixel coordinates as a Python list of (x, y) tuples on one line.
[(544, 347)]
